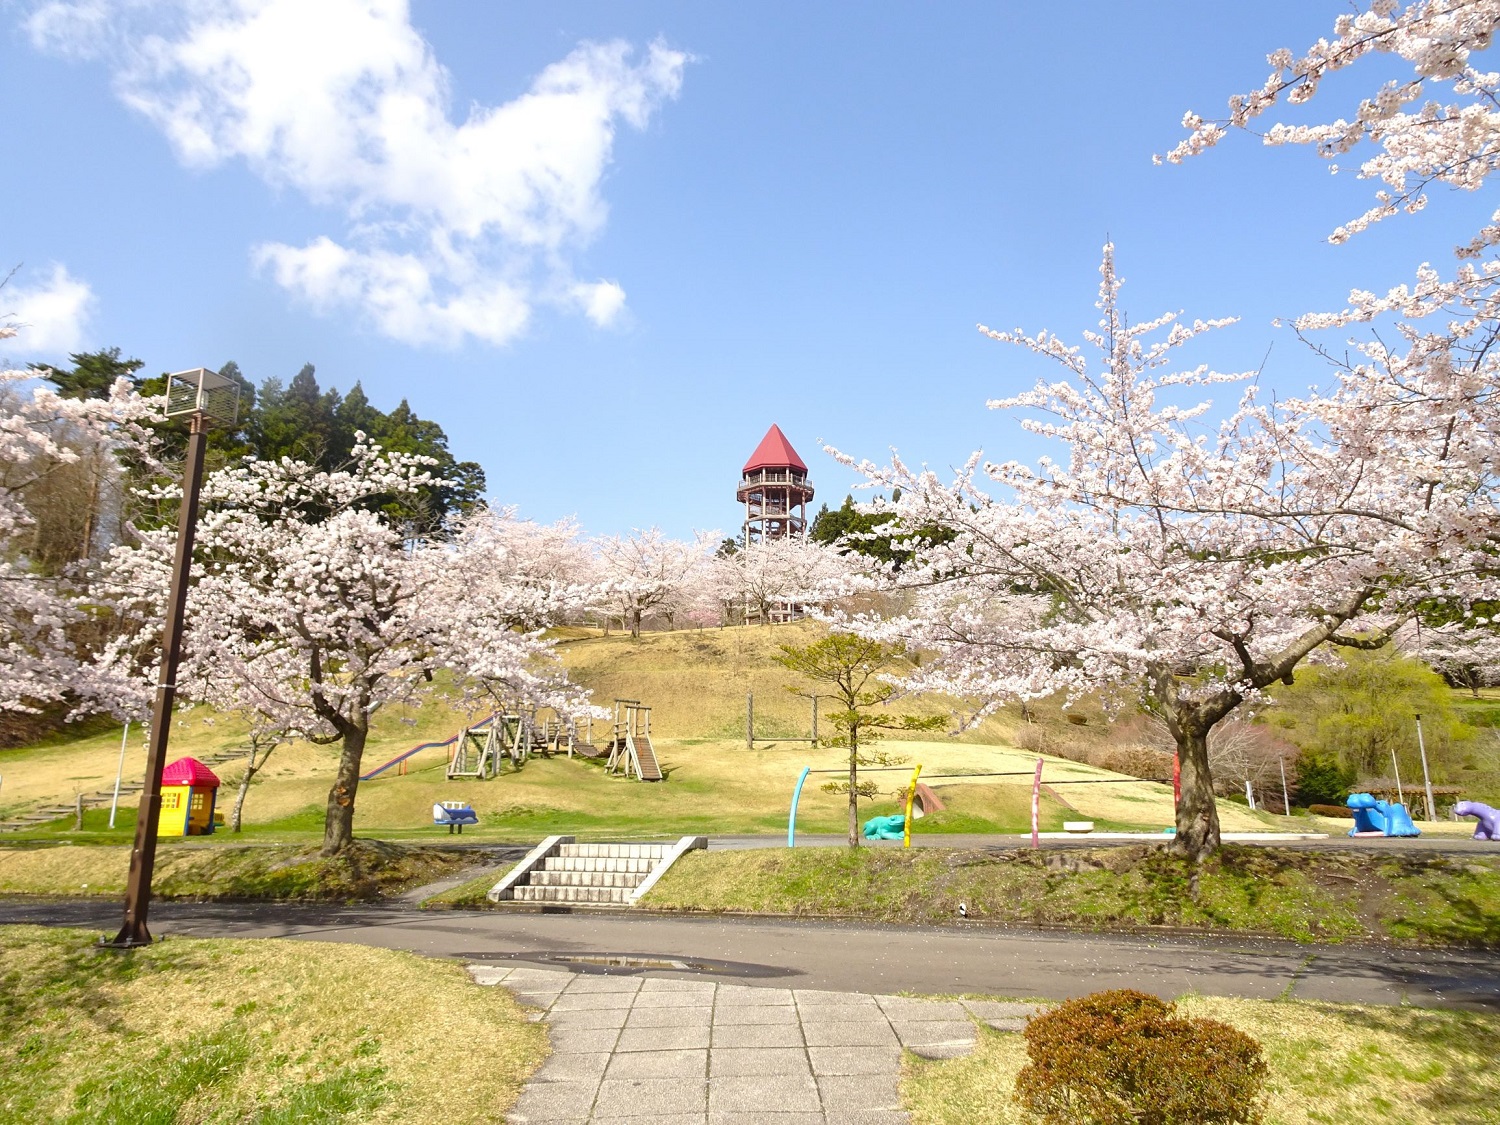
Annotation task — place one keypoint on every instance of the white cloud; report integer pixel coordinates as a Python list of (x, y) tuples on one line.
[(49, 316), (455, 229), (601, 301)]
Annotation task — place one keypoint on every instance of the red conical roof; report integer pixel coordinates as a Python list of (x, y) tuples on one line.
[(189, 771), (774, 452)]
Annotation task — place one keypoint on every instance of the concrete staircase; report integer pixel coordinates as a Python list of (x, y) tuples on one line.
[(559, 871)]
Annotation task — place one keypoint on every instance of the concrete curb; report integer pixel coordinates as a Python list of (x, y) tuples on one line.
[(534, 859)]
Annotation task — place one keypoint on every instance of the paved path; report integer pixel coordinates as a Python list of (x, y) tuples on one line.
[(851, 957), (685, 1052)]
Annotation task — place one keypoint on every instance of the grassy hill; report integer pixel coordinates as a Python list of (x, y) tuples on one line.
[(696, 682)]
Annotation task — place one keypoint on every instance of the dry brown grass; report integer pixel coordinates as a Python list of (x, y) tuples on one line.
[(302, 1031), (1329, 1063)]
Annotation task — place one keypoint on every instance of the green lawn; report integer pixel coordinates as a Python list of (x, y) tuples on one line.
[(1329, 1063), (272, 1032), (1305, 896)]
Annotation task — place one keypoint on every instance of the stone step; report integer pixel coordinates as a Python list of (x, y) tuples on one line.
[(614, 851), (587, 879), (576, 863), (528, 893)]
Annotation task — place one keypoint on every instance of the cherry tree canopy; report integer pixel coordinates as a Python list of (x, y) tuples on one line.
[(310, 612), (39, 433), (788, 571), (1176, 561), (647, 572)]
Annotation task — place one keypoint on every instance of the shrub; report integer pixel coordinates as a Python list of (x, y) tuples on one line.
[(1338, 812), (1321, 779), (1124, 1058)]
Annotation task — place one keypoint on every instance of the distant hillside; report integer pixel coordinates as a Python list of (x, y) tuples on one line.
[(696, 681)]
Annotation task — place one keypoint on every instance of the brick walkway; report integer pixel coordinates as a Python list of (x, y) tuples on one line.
[(680, 1052)]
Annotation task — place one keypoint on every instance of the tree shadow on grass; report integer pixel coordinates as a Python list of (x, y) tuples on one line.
[(1460, 1044)]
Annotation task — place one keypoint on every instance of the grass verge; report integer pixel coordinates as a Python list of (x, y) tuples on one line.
[(272, 1032), (1302, 895), (369, 870), (1328, 1063)]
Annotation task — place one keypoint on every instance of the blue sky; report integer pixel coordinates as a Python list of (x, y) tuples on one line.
[(606, 245)]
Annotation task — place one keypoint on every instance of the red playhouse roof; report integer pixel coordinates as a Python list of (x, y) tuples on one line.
[(189, 771), (774, 452)]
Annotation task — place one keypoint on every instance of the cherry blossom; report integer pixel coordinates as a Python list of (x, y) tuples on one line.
[(1174, 562)]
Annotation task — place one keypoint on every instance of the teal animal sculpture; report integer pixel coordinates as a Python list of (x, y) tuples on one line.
[(885, 828)]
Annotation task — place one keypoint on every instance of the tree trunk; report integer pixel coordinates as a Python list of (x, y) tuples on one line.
[(338, 825), (635, 623), (251, 769), (1197, 815)]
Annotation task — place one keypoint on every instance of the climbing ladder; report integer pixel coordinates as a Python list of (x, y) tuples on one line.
[(630, 749)]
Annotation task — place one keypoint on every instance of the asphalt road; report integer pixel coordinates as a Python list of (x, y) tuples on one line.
[(844, 957)]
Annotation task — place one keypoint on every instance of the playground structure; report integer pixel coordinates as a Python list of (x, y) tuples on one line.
[(455, 814), (1373, 817), (920, 799), (630, 750), (1488, 827), (479, 749), (750, 723)]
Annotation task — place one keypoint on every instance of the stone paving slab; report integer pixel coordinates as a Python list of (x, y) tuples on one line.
[(628, 1050)]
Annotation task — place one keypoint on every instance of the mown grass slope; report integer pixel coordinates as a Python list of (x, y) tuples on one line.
[(269, 1031)]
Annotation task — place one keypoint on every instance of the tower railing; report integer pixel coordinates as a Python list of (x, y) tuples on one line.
[(775, 476)]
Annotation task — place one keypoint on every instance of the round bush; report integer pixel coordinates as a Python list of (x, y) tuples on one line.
[(1124, 1058)]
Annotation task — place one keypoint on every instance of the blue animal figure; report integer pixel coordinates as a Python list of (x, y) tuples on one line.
[(885, 828), (1371, 816), (1488, 827)]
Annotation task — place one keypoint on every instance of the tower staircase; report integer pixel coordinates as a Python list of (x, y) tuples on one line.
[(560, 871)]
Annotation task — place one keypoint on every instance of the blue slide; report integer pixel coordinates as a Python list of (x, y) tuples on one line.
[(1372, 816)]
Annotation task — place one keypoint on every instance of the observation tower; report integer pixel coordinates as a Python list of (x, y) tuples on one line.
[(775, 490)]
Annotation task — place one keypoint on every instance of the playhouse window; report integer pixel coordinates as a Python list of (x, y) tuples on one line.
[(198, 800)]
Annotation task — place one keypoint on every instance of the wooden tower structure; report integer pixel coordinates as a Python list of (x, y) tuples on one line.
[(775, 490)]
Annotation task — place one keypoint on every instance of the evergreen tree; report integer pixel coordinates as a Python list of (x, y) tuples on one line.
[(92, 375)]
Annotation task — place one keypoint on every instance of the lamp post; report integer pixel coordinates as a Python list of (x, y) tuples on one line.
[(203, 397)]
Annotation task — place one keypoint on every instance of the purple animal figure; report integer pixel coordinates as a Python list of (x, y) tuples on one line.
[(1489, 819)]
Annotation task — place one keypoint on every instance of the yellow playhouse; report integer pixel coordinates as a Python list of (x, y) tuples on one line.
[(188, 792)]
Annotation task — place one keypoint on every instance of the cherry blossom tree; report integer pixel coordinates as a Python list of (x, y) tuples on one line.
[(309, 611), (647, 572), (42, 434), (1175, 562), (1466, 654), (766, 577)]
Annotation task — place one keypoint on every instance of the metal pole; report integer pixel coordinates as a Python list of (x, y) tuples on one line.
[(1036, 803), (119, 770), (815, 723), (791, 820), (1400, 796), (134, 932), (911, 794), (1426, 778), (1286, 802), (749, 720)]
